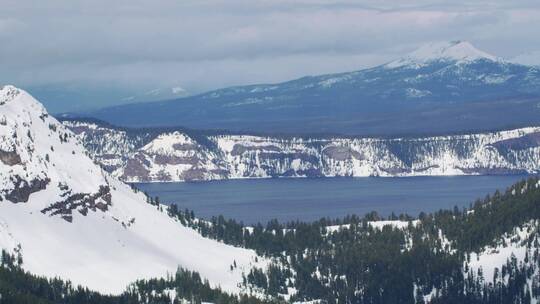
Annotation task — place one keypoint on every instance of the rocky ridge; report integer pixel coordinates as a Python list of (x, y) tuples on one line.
[(159, 156)]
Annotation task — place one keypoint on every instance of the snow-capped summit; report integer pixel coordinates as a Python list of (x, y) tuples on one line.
[(37, 154), (455, 51), (69, 218)]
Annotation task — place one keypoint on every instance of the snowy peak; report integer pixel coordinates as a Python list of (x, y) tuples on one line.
[(70, 219), (453, 51), (37, 154)]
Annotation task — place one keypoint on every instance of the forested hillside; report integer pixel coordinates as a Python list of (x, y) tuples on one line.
[(487, 253), (21, 287)]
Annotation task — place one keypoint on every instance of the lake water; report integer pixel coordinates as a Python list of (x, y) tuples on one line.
[(259, 200)]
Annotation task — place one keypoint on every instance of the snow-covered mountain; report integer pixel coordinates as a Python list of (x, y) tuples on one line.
[(178, 155), (440, 88), (69, 218)]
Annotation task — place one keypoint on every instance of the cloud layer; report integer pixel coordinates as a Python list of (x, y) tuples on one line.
[(200, 45)]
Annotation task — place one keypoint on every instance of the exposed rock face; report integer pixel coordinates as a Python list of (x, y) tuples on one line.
[(81, 202), (181, 156), (10, 158), (341, 153), (23, 188), (136, 167)]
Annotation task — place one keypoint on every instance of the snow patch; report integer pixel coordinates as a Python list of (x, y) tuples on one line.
[(415, 93)]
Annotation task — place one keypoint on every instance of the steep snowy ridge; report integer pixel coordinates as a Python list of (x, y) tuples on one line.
[(177, 156), (70, 218)]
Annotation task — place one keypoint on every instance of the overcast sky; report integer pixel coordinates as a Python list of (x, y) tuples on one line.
[(200, 45)]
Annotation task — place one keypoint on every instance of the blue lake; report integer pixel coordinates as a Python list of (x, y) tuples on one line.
[(259, 200)]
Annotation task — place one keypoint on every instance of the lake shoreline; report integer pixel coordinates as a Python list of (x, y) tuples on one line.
[(260, 200), (324, 177)]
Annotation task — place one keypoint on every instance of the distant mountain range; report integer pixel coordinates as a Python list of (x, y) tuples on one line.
[(439, 88), (157, 94), (59, 98)]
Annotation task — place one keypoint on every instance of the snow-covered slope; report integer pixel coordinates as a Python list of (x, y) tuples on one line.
[(69, 218), (179, 155)]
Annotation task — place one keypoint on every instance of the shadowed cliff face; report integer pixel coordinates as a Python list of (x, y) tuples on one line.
[(23, 188), (147, 156), (10, 158)]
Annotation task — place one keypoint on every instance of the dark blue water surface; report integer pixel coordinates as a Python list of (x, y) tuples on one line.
[(259, 200)]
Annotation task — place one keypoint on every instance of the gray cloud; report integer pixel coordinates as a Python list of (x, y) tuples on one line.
[(200, 45)]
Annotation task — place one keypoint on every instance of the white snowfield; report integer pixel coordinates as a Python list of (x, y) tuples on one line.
[(511, 245), (120, 241)]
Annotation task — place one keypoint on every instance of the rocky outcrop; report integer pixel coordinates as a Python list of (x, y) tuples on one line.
[(82, 202), (136, 167), (10, 158), (342, 153), (23, 188)]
